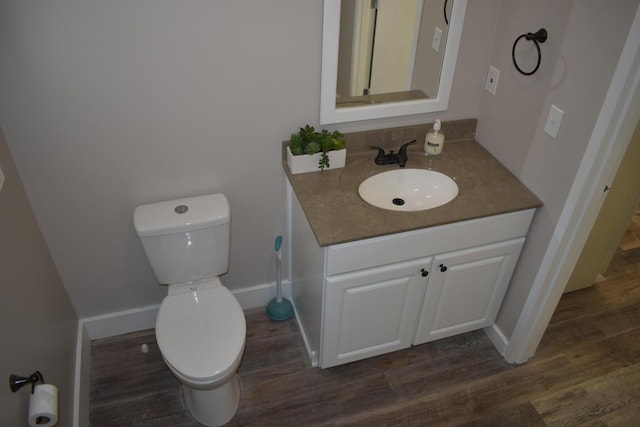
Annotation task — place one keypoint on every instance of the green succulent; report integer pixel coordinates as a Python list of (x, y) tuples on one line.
[(308, 141), (312, 148)]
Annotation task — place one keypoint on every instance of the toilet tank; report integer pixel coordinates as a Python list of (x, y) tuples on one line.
[(186, 239)]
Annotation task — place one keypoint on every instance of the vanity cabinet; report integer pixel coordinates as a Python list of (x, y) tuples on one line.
[(361, 299)]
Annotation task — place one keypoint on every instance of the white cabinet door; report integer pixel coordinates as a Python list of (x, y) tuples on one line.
[(466, 289), (373, 311)]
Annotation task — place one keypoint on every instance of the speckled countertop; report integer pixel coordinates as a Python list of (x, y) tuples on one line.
[(337, 214)]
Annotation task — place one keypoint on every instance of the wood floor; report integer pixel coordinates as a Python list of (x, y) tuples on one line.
[(585, 372)]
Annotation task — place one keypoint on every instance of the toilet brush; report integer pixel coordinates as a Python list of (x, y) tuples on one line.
[(279, 308)]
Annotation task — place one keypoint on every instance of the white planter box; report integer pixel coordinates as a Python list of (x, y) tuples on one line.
[(309, 162)]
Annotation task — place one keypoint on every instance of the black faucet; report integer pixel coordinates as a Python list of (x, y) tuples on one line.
[(391, 158)]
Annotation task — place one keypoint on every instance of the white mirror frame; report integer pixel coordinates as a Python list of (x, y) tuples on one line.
[(330, 37)]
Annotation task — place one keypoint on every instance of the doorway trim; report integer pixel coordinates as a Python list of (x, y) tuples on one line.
[(611, 134)]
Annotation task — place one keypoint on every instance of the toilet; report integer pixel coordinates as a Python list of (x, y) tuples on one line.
[(200, 328)]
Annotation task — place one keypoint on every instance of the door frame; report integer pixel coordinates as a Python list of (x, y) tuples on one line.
[(611, 134)]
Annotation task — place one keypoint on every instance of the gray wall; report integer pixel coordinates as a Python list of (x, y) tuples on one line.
[(577, 67), (107, 105), (37, 323)]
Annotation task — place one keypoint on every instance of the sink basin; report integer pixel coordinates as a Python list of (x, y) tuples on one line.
[(408, 190)]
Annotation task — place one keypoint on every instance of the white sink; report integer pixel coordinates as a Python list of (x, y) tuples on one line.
[(408, 190)]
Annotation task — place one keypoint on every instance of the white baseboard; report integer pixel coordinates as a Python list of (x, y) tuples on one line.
[(497, 338), (313, 356), (121, 322), (260, 295), (141, 318)]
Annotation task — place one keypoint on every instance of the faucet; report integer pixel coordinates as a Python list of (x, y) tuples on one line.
[(391, 158)]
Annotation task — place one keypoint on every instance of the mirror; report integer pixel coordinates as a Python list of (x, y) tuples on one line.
[(379, 57)]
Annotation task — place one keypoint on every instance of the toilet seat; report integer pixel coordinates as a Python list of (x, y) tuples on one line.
[(201, 333)]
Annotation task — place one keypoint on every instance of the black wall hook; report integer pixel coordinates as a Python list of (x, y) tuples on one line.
[(538, 37)]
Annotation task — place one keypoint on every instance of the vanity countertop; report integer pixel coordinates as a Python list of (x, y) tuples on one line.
[(337, 214)]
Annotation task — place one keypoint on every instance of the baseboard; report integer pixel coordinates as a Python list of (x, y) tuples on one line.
[(121, 322), (260, 295), (139, 319), (497, 338), (313, 356)]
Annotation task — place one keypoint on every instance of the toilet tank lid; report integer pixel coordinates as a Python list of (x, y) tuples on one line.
[(181, 215)]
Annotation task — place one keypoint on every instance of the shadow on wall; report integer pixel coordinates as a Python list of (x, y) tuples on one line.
[(35, 311)]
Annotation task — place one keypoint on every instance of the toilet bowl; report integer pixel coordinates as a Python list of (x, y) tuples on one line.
[(200, 328)]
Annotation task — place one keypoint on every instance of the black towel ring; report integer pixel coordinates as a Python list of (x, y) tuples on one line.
[(538, 37), (445, 12)]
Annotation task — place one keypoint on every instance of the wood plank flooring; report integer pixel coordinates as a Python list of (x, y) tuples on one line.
[(585, 372)]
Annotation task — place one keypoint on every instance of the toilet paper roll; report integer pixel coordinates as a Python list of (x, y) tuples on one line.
[(43, 406)]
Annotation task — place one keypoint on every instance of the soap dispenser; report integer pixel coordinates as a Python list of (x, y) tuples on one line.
[(434, 140)]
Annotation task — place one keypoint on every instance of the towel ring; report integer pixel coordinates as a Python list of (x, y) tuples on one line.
[(538, 37), (445, 12)]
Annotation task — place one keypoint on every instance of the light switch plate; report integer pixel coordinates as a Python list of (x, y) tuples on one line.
[(437, 37), (1, 179), (554, 121)]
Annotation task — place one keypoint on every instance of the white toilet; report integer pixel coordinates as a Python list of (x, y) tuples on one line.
[(200, 327)]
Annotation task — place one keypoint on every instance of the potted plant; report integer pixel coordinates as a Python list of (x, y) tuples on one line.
[(310, 150)]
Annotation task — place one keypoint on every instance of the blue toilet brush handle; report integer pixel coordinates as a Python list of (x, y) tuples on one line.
[(278, 269)]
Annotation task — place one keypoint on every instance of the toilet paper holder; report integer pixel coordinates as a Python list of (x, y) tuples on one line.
[(43, 400), (16, 381)]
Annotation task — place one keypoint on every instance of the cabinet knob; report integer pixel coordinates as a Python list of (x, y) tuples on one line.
[(424, 272), (443, 268)]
